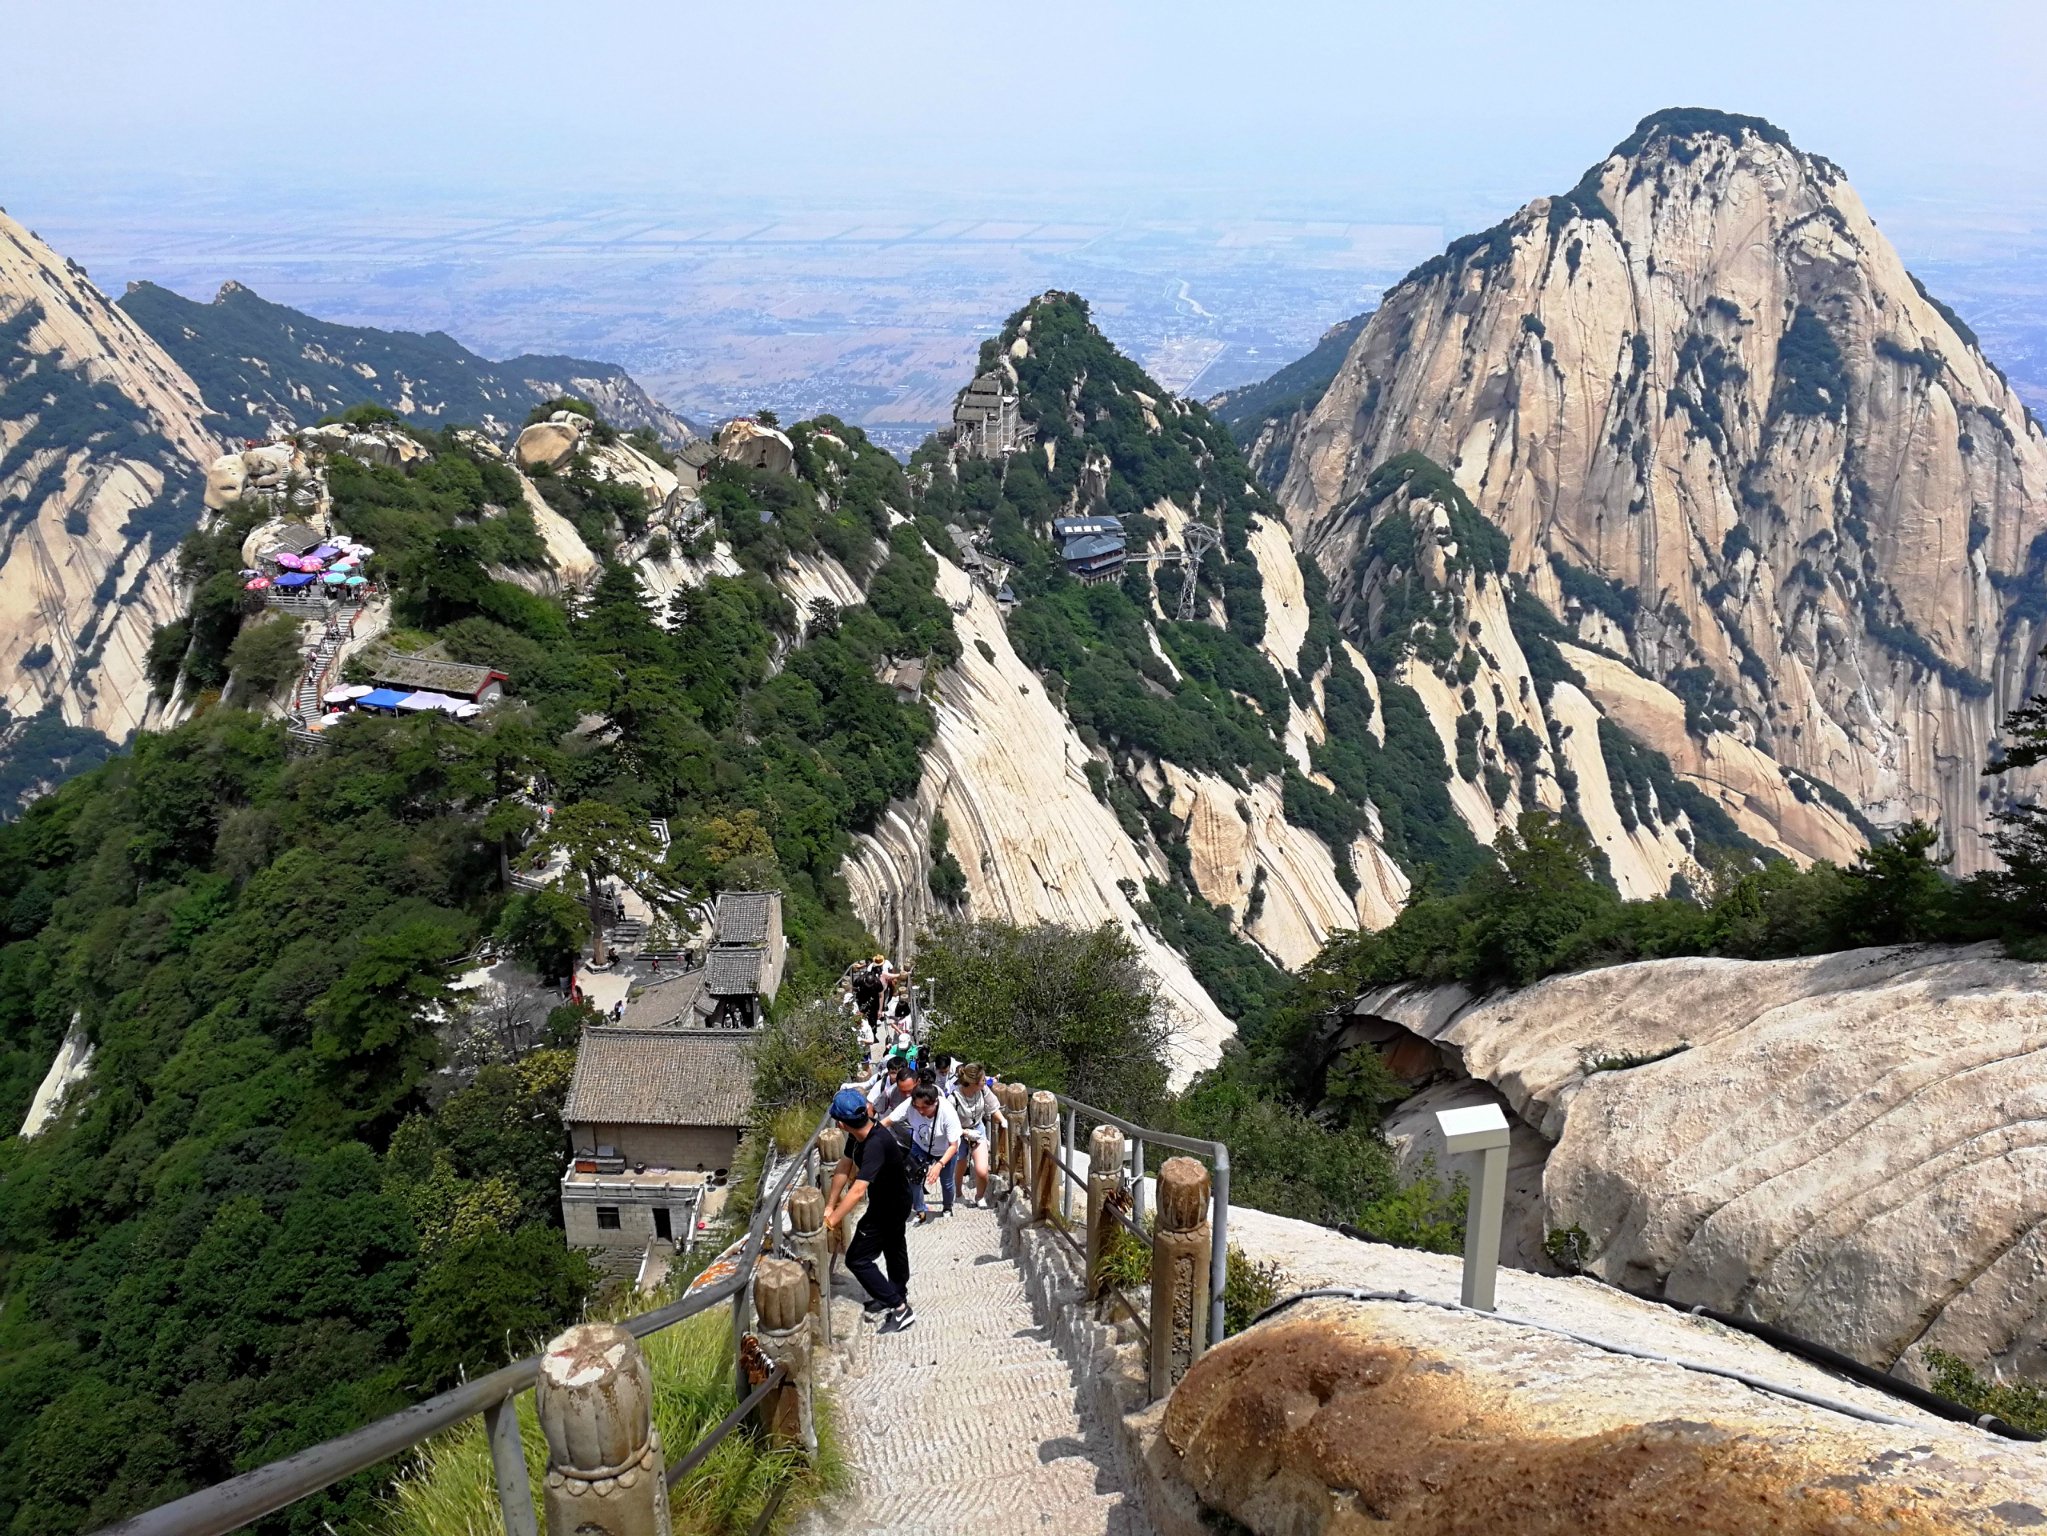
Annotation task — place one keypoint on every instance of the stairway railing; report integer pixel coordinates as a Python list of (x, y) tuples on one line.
[(1215, 1153), (242, 1500)]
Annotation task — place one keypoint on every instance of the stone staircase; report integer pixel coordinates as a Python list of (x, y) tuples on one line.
[(970, 1421)]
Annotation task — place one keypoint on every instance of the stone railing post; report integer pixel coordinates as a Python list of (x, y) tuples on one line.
[(1015, 1137), (1045, 1174), (781, 1303), (604, 1467), (1104, 1190), (831, 1146), (1180, 1263), (814, 1251)]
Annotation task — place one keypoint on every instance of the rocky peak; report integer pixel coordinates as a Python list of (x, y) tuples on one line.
[(102, 445), (1729, 438)]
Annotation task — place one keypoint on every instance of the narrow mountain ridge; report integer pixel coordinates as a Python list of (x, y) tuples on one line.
[(1283, 763), (1730, 439), (262, 365)]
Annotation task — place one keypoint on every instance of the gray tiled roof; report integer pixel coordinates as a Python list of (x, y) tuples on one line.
[(734, 970), (661, 1077), (296, 537), (450, 677), (743, 917), (666, 1004)]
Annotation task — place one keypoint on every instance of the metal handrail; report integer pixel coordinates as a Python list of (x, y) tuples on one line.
[(725, 1426), (249, 1497), (1218, 1155)]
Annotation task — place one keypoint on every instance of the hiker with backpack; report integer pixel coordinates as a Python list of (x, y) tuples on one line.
[(875, 1169), (980, 1116), (928, 1124), (869, 989)]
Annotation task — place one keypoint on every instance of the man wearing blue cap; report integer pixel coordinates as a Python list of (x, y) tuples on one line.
[(875, 1168)]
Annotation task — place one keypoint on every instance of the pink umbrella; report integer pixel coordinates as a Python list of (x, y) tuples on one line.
[(311, 566), (257, 585), (288, 561)]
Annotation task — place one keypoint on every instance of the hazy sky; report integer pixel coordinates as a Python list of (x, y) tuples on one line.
[(1412, 108)]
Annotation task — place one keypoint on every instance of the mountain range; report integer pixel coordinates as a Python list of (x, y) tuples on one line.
[(1658, 539), (261, 365), (1672, 504)]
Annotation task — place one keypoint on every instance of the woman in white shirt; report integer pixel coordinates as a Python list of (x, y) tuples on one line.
[(930, 1129), (980, 1116)]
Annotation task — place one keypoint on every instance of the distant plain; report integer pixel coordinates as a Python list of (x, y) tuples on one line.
[(726, 303)]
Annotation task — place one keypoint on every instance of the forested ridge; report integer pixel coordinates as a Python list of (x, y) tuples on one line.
[(269, 1220), (259, 1229)]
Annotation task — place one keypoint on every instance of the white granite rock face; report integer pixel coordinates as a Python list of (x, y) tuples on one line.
[(1852, 1147), (85, 577), (1608, 380)]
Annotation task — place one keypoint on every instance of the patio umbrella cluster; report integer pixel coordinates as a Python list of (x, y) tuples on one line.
[(334, 568)]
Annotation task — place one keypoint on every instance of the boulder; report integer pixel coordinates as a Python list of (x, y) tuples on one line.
[(549, 444), (1852, 1147), (1408, 1418), (225, 481), (744, 441), (268, 466)]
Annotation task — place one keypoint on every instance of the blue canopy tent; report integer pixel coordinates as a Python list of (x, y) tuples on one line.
[(295, 579), (382, 698)]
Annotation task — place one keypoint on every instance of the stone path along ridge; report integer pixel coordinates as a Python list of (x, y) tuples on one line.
[(969, 1422)]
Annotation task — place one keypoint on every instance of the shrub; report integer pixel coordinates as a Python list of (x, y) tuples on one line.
[(1071, 1009), (2023, 1405)]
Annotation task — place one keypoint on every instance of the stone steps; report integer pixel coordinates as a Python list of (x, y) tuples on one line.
[(970, 1421)]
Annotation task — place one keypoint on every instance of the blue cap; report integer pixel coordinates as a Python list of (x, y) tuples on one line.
[(849, 1106)]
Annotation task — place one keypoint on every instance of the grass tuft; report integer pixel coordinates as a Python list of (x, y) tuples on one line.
[(447, 1489)]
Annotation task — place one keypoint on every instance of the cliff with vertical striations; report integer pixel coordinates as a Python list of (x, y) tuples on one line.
[(1733, 441)]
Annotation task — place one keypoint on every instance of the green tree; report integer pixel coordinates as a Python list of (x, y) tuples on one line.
[(373, 1024), (1071, 1009), (493, 1297), (1894, 892), (266, 656), (603, 843), (545, 929), (1539, 909), (948, 881)]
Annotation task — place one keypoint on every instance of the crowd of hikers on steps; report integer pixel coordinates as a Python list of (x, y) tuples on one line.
[(913, 1120)]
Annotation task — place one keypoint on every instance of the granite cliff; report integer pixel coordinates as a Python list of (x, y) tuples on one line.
[(1732, 441), (103, 450)]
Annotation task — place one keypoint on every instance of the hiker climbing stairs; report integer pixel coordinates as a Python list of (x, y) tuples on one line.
[(969, 1421)]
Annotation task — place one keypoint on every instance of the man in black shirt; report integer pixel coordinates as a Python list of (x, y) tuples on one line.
[(875, 1168)]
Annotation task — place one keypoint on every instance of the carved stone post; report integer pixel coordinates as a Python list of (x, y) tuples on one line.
[(1045, 1175), (1015, 1157), (781, 1302), (1179, 1273), (1104, 1190), (604, 1467), (831, 1146), (814, 1250)]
